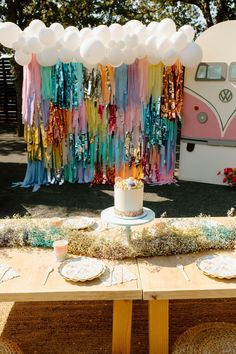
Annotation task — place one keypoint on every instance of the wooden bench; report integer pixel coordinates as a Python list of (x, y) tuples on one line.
[(32, 264), (162, 281)]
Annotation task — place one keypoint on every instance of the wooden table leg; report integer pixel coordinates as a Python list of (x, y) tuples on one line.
[(158, 326), (121, 331)]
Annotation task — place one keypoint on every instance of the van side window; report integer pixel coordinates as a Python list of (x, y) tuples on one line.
[(232, 72), (211, 72)]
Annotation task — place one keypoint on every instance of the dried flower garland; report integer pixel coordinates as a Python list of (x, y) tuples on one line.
[(164, 237)]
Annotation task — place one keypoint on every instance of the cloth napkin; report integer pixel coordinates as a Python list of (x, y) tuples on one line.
[(7, 273), (117, 274)]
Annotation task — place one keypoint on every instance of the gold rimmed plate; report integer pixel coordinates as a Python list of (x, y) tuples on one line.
[(81, 269), (218, 266)]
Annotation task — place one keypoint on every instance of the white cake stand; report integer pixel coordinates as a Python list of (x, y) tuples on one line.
[(110, 217)]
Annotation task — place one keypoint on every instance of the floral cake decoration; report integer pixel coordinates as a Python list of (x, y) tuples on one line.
[(128, 183)]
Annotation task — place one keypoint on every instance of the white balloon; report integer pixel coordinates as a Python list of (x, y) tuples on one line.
[(169, 58), (104, 60), (178, 41), (85, 33), (131, 40), (34, 45), (120, 44), (71, 29), (188, 31), (58, 29), (71, 40), (102, 32), (167, 27), (115, 57), (20, 43), (111, 44), (65, 55), (27, 32), (116, 31), (132, 25), (77, 56), (153, 27), (92, 51), (142, 33), (35, 26), (191, 56), (162, 45), (128, 56), (9, 33), (154, 59), (47, 57), (150, 44), (21, 58), (140, 51), (47, 37)]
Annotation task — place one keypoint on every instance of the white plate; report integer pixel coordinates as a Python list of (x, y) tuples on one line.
[(131, 217), (79, 223), (218, 266), (81, 269)]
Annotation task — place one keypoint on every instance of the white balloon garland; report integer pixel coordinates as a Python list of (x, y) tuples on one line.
[(115, 44)]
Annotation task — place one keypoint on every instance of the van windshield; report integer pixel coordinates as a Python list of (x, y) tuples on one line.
[(211, 72)]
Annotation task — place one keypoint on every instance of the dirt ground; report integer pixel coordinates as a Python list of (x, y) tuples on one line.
[(84, 327)]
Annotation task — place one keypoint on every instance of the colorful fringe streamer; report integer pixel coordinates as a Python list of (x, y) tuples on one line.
[(90, 126)]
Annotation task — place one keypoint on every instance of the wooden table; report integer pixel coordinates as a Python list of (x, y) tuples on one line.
[(32, 264), (162, 281)]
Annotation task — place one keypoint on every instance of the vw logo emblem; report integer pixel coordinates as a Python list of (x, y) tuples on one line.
[(225, 95)]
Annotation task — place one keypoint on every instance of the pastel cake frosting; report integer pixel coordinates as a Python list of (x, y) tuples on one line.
[(128, 197)]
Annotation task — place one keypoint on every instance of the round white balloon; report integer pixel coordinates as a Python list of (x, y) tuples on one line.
[(92, 51), (131, 26), (58, 29), (47, 57), (47, 37), (131, 40), (120, 44), (66, 55), (115, 57), (71, 40), (188, 31), (178, 41), (162, 45), (191, 56), (77, 56), (170, 57), (154, 59), (142, 33), (128, 56), (21, 58), (102, 33), (34, 45), (35, 26), (150, 44), (140, 51), (167, 27), (20, 43), (85, 33), (9, 33), (71, 29), (153, 27), (116, 31)]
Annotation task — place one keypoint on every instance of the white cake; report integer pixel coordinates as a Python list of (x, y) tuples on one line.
[(128, 197)]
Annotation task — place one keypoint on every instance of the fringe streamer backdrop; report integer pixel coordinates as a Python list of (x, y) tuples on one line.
[(90, 126)]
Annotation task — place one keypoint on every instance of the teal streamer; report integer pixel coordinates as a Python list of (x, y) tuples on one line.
[(46, 82)]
